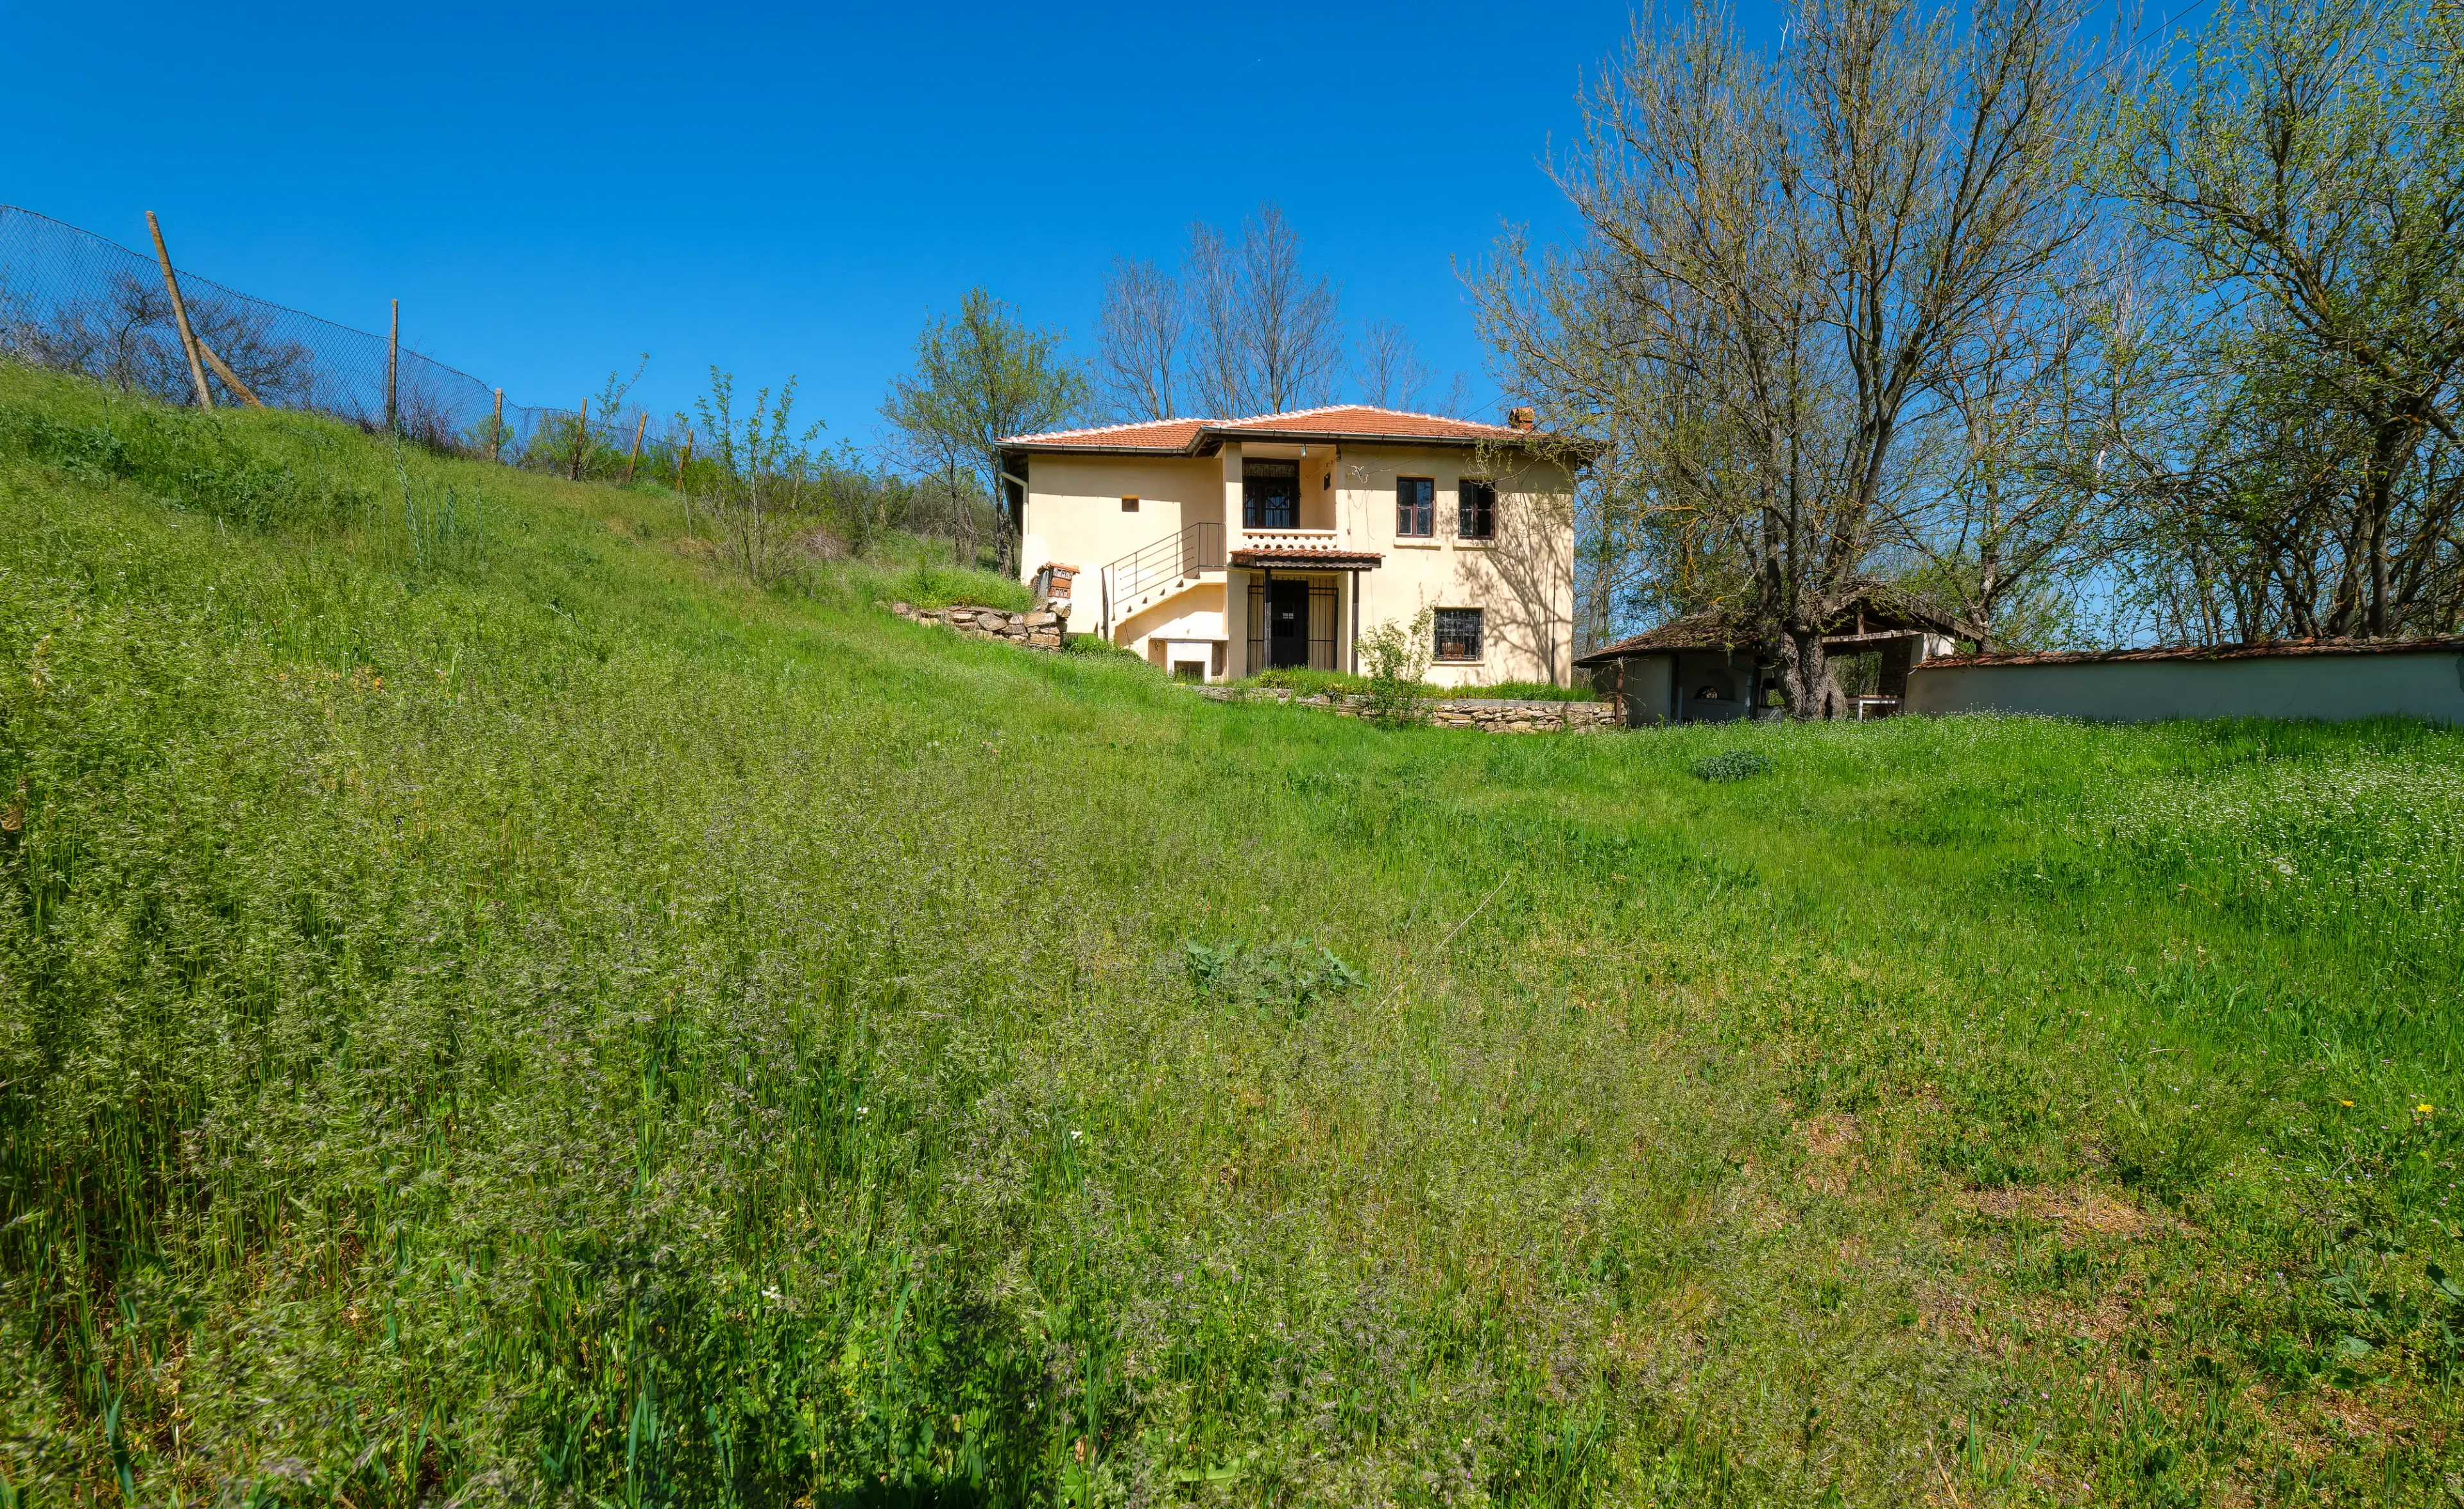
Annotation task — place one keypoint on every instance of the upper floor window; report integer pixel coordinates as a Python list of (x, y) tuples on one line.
[(1416, 506), (1476, 509), (1458, 633), (1128, 505), (1270, 494)]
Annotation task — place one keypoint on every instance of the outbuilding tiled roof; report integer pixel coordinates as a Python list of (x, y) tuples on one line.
[(2451, 644), (1334, 422), (1877, 603)]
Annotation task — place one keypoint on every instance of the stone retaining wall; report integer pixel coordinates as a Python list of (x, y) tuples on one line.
[(1490, 715), (1039, 628)]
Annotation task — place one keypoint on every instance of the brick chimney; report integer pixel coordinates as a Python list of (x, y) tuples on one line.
[(1521, 417)]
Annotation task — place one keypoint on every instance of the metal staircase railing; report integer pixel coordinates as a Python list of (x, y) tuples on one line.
[(1197, 548)]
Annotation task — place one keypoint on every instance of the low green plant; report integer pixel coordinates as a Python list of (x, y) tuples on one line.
[(1097, 647), (1308, 682), (1281, 978), (1732, 765), (1537, 692)]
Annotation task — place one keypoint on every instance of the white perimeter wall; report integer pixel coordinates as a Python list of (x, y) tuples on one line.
[(2428, 685)]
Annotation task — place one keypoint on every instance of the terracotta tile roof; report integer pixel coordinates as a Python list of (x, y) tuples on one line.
[(1890, 608), (1337, 422), (2276, 648), (1174, 435), (1359, 420)]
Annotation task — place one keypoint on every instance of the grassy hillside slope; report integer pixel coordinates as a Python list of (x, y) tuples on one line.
[(492, 1010)]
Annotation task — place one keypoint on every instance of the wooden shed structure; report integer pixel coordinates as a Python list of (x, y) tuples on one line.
[(1707, 667)]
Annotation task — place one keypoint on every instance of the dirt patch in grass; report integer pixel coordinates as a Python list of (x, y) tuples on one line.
[(2077, 1212), (1944, 1311), (1829, 1136)]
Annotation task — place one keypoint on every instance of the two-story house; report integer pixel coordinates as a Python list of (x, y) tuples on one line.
[(1218, 548)]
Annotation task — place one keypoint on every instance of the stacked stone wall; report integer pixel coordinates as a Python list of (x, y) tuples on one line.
[(1040, 627), (1037, 629), (1489, 715)]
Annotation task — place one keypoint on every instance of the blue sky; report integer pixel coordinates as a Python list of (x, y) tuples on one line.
[(552, 192)]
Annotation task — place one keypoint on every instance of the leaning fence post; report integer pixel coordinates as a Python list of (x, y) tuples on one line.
[(393, 367), (497, 429), (180, 314), (641, 422)]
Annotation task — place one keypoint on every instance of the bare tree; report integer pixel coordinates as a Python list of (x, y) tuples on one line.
[(1779, 265), (1288, 320), (1386, 371), (1221, 366), (1263, 336), (1138, 337)]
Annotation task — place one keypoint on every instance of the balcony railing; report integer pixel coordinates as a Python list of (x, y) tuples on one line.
[(1269, 539), (1175, 557)]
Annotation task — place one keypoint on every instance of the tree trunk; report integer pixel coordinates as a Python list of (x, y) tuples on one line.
[(1802, 669)]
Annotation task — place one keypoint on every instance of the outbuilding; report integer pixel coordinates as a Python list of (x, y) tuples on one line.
[(1706, 668), (2328, 679)]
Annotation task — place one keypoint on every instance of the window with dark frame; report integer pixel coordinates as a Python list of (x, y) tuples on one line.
[(1416, 506), (1128, 505), (1476, 509), (1458, 633), (1270, 494)]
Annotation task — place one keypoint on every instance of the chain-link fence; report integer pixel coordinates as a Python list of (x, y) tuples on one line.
[(73, 301)]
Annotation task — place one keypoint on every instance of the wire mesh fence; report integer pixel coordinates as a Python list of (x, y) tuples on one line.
[(76, 301)]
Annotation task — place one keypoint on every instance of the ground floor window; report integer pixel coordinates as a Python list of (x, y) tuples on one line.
[(1458, 633)]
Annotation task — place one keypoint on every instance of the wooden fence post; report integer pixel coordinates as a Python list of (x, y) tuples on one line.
[(393, 368), (641, 423), (231, 379), (497, 429), (180, 314), (580, 433), (680, 483)]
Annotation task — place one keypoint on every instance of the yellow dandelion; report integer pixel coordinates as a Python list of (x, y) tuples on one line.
[(2344, 1102), (2423, 1109)]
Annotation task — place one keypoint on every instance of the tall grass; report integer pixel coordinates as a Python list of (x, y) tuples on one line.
[(555, 1023)]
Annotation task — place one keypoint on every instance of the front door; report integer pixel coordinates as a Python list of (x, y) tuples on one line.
[(1288, 625)]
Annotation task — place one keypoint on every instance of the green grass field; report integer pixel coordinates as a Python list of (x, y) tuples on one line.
[(492, 1010)]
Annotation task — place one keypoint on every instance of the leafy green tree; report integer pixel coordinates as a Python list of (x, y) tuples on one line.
[(981, 374), (2305, 164)]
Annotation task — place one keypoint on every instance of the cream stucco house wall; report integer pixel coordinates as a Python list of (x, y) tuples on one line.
[(1218, 548)]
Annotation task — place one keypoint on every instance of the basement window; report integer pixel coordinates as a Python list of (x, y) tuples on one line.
[(1458, 633)]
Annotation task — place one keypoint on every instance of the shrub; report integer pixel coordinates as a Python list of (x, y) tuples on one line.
[(1397, 654)]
